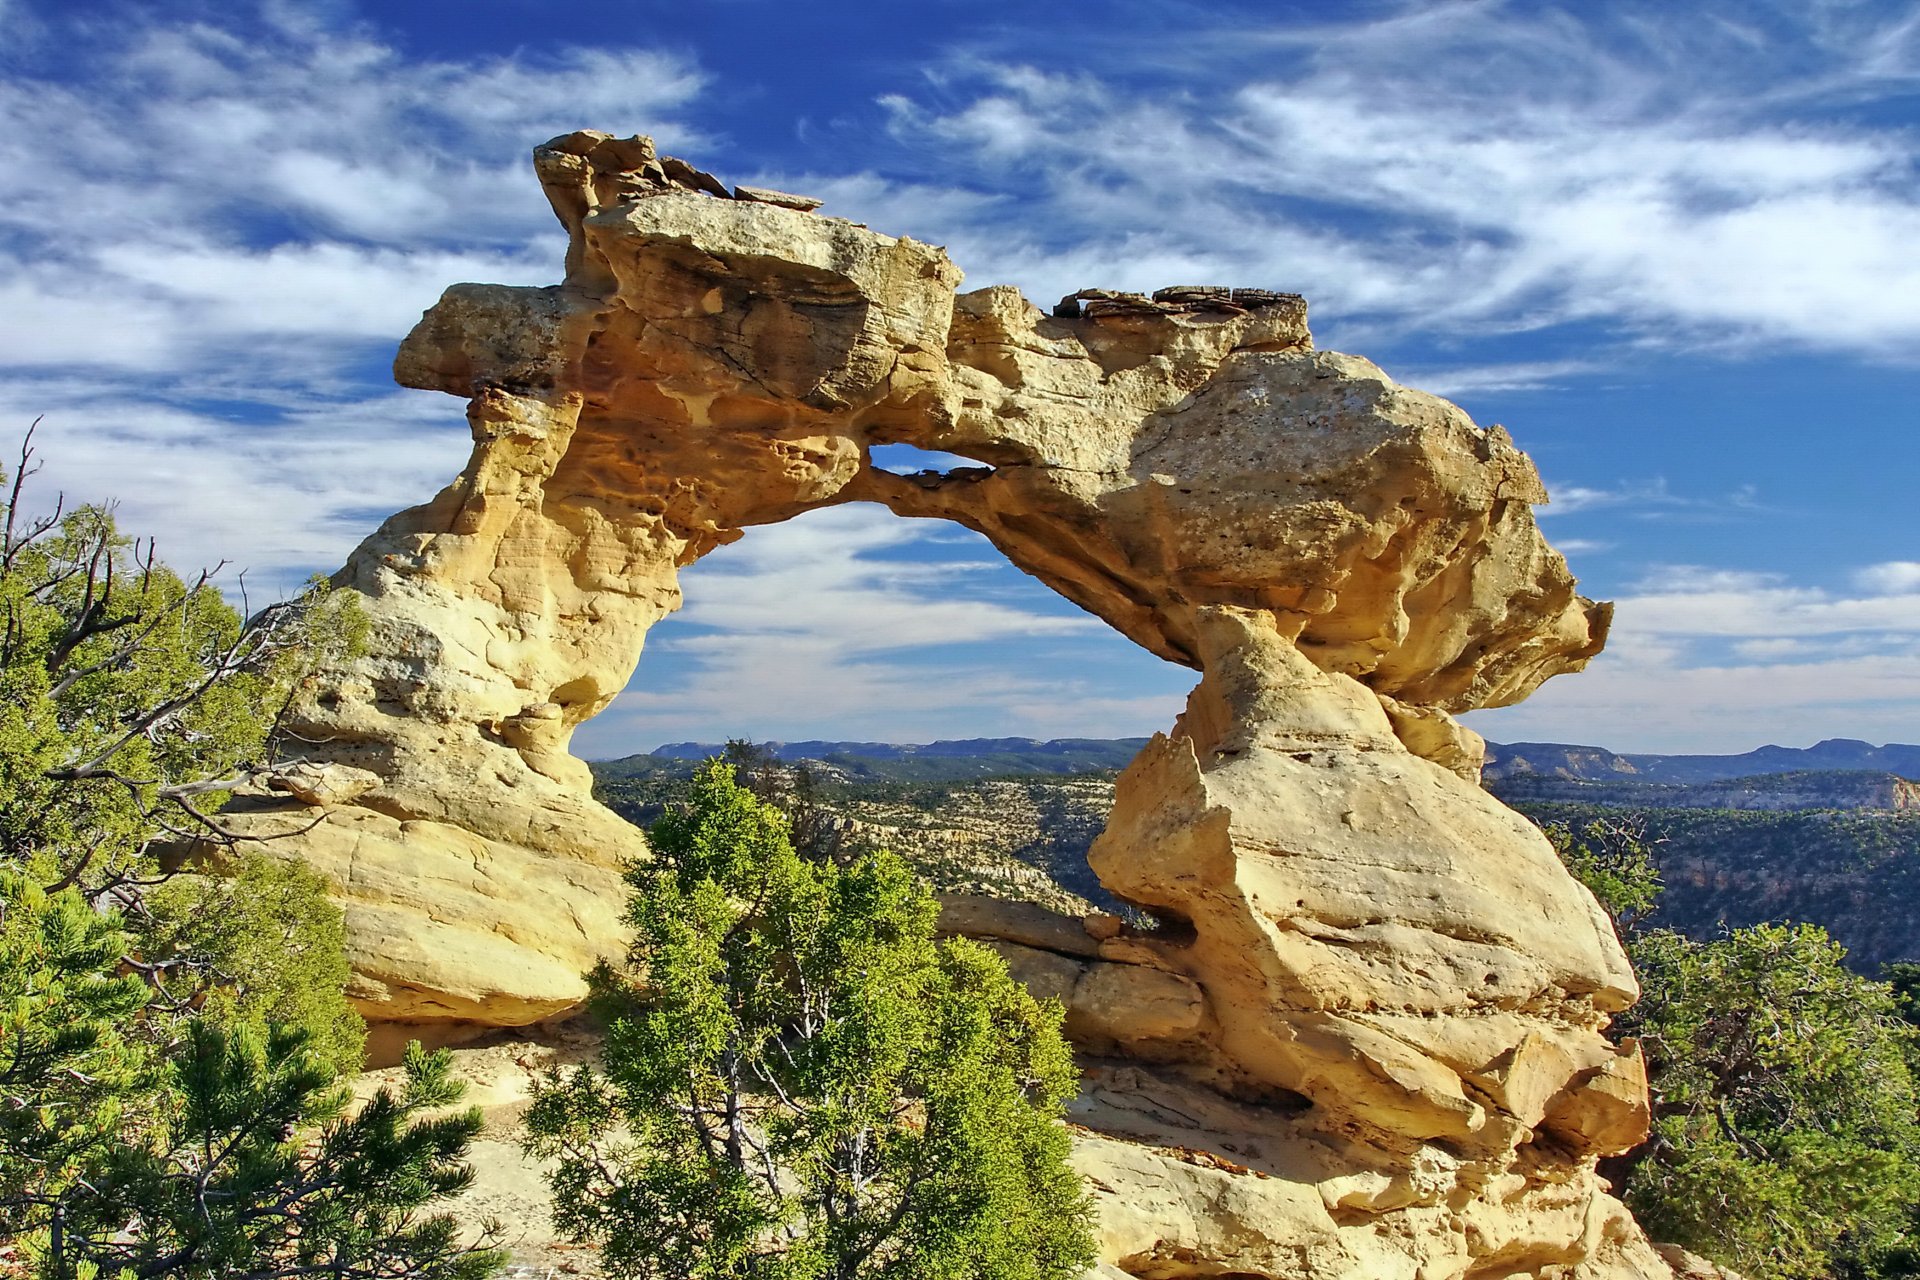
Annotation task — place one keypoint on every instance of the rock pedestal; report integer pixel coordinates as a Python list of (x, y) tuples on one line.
[(1362, 1038)]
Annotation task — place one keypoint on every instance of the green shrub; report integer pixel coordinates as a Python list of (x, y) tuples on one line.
[(1786, 1118), (267, 947), (169, 1097), (798, 1081)]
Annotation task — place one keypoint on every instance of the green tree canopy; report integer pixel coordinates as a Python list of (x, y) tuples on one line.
[(1786, 1119), (800, 1083), (1784, 1137), (168, 1097)]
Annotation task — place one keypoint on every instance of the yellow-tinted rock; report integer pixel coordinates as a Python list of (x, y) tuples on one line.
[(1691, 1266), (1604, 1110), (1373, 984)]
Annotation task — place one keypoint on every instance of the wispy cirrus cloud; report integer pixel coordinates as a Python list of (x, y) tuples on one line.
[(881, 627), (1700, 178), (1794, 698), (1529, 375), (1686, 600), (271, 196), (1653, 499)]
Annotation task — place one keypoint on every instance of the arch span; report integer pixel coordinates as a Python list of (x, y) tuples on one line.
[(1348, 563)]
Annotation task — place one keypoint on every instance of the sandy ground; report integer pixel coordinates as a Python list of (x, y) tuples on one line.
[(509, 1186)]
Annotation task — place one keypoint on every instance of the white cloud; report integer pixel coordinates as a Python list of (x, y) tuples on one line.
[(1524, 170), (279, 502), (1719, 708), (802, 581), (1688, 601), (320, 290), (1463, 380), (213, 232), (824, 621), (1694, 579), (287, 178), (1705, 659), (1649, 500), (1889, 577)]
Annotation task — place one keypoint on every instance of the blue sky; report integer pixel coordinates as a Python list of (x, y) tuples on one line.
[(1674, 248)]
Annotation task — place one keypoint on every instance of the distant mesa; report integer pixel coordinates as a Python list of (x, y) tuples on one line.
[(1837, 773), (1597, 764)]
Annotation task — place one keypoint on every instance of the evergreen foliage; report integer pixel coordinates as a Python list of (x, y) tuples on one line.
[(1611, 857), (1854, 871), (800, 1083), (816, 831), (169, 1102), (258, 944), (1784, 1139), (74, 1078), (1786, 1115), (232, 1180)]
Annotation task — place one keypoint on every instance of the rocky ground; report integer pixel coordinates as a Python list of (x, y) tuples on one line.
[(1023, 838), (509, 1186)]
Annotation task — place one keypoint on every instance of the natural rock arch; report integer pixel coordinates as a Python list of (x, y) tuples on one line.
[(1388, 996)]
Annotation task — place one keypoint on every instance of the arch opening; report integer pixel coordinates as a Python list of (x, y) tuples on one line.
[(850, 623)]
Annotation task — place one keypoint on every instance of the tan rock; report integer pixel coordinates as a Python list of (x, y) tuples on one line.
[(1366, 968), (1144, 1011), (1359, 914), (785, 199), (1604, 1110), (1167, 1213), (313, 783), (975, 915), (1044, 974), (1136, 1007), (1691, 1266)]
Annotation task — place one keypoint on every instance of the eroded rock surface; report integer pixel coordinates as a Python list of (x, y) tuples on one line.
[(1365, 1037)]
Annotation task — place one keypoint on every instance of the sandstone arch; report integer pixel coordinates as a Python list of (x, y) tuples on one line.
[(1381, 1018)]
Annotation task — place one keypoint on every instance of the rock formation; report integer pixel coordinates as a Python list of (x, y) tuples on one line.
[(1363, 1037)]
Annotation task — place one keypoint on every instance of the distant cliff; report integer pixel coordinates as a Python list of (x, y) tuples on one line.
[(1597, 764), (1836, 774), (1807, 789), (960, 760), (1854, 872)]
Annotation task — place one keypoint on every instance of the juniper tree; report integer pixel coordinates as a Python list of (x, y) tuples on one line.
[(170, 1044), (799, 1082), (1786, 1114), (1785, 1139)]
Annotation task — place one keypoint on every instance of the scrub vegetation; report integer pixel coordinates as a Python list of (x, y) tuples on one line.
[(1786, 1119), (171, 1000), (800, 1083)]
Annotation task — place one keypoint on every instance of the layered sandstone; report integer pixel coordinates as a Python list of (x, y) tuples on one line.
[(1364, 1037)]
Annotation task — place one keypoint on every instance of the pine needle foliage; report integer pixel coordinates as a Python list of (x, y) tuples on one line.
[(171, 1044), (259, 944), (800, 1083), (1785, 1138), (71, 1077), (1786, 1109), (235, 1181)]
